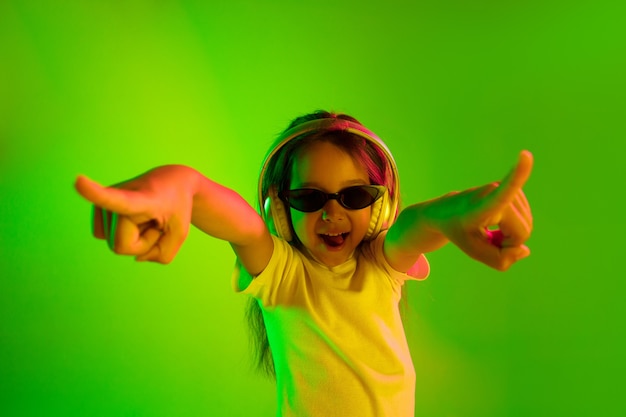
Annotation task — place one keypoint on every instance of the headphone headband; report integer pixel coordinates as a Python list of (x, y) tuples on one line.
[(329, 125), (272, 209)]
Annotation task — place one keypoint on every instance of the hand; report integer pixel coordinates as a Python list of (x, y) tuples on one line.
[(490, 223), (147, 217)]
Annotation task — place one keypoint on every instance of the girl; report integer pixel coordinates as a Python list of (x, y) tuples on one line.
[(326, 259)]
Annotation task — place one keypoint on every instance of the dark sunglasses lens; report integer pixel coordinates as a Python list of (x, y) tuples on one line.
[(306, 200), (359, 197)]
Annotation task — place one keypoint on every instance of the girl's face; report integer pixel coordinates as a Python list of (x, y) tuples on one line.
[(332, 233)]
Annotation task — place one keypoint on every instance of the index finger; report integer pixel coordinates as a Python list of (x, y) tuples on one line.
[(515, 180), (108, 198)]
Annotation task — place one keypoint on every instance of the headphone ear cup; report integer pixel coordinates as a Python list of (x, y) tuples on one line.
[(381, 214), (276, 216)]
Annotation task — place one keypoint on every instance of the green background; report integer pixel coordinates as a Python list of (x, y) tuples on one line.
[(456, 89)]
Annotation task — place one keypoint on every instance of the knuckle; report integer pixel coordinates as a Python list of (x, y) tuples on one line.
[(501, 267), (165, 259), (504, 267), (121, 247), (503, 264), (119, 250)]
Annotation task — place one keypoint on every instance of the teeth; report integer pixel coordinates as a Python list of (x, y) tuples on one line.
[(333, 234)]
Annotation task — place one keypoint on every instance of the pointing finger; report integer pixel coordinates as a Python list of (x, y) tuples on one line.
[(515, 180), (108, 198)]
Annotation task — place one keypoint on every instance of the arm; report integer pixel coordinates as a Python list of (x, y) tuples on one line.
[(149, 216), (489, 223)]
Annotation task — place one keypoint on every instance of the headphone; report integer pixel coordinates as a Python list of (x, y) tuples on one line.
[(274, 210)]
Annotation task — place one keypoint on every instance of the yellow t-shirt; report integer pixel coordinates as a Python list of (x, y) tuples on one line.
[(336, 334)]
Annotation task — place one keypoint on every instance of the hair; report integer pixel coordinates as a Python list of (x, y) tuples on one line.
[(278, 175)]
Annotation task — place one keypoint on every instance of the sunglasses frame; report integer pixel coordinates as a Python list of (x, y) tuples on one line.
[(339, 196)]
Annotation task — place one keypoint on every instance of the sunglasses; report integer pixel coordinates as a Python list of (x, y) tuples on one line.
[(309, 200)]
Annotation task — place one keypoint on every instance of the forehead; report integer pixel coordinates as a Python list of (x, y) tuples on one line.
[(325, 166)]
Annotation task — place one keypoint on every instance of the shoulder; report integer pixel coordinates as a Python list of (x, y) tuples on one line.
[(281, 261)]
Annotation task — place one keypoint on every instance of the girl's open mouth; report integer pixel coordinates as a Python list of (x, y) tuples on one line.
[(334, 240)]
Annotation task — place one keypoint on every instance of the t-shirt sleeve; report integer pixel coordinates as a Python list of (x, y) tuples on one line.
[(275, 277)]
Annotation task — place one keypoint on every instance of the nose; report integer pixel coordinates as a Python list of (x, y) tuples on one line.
[(332, 211)]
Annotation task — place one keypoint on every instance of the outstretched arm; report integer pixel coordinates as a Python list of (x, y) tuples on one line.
[(489, 223), (149, 216)]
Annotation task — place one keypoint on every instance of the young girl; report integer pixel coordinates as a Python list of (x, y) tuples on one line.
[(326, 258)]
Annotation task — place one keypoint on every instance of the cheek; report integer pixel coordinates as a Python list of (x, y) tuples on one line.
[(363, 219), (301, 222)]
